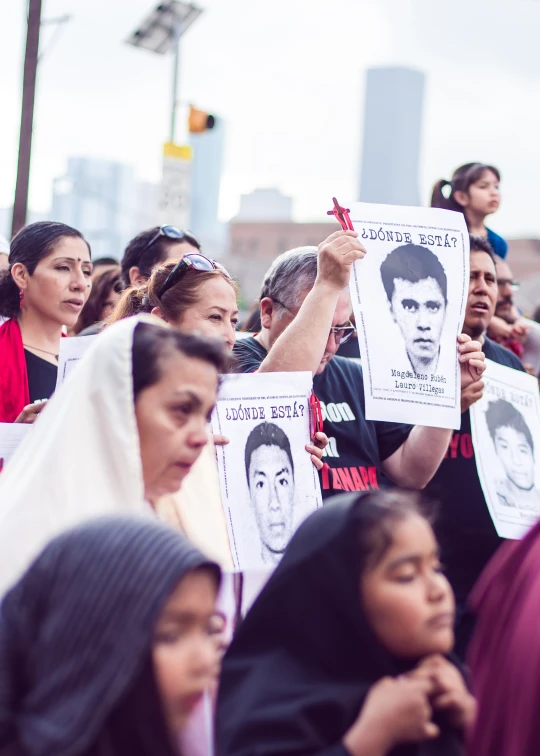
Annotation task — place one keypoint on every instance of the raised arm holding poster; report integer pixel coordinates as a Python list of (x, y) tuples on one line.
[(409, 295), (505, 427), (268, 482)]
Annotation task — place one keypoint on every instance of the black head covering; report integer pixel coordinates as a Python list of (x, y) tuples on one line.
[(75, 639), (297, 672)]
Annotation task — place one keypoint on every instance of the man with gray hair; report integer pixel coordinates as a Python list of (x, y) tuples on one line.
[(305, 311)]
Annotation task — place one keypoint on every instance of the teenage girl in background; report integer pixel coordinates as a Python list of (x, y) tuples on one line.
[(473, 191)]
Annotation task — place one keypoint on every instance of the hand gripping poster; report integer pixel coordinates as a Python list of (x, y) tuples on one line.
[(268, 482), (505, 425), (409, 294)]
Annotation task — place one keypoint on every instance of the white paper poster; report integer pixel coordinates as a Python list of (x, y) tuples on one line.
[(409, 295), (71, 351), (505, 426), (268, 482), (11, 436)]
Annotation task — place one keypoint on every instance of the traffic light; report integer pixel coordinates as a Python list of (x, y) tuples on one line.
[(200, 121)]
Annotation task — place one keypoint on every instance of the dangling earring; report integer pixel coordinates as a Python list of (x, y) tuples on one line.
[(21, 299)]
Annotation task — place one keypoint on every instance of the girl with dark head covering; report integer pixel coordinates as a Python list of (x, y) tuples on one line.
[(105, 643), (346, 649), (505, 651)]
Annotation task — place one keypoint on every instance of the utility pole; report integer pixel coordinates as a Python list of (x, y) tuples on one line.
[(20, 205)]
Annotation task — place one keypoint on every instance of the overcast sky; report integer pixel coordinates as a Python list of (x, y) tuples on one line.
[(287, 76)]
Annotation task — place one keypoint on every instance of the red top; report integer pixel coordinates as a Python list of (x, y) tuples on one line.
[(14, 392)]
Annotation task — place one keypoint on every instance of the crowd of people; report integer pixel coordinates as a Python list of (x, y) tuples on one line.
[(397, 622)]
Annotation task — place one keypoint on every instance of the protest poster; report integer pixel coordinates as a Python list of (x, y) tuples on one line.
[(71, 351), (11, 436), (268, 482), (505, 427), (409, 295)]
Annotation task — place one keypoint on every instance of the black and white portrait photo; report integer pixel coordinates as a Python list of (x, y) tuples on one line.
[(505, 426), (408, 295), (267, 480), (514, 446), (270, 478), (416, 286)]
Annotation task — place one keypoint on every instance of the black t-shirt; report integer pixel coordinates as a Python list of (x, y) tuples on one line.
[(357, 446), (41, 377), (464, 526)]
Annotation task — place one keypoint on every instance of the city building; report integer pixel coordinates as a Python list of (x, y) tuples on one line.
[(206, 169), (105, 202), (254, 245), (265, 205), (393, 114)]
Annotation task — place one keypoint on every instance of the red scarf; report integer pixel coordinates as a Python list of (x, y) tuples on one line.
[(14, 393)]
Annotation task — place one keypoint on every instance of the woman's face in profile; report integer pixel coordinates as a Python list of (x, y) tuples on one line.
[(215, 314), (172, 418)]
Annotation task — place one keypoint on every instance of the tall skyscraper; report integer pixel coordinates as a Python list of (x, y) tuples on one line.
[(392, 136), (206, 169)]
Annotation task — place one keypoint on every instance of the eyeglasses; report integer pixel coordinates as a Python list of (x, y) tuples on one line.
[(191, 261), (514, 285), (342, 334)]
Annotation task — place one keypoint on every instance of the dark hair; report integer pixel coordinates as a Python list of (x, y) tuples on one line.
[(374, 517), (30, 246), (461, 181), (266, 434), (481, 244), (413, 263), (105, 261), (501, 414), (174, 302), (153, 343), (138, 254), (91, 312), (252, 323)]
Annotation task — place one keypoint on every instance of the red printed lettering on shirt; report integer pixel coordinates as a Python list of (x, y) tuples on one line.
[(372, 472), (466, 446), (357, 480), (365, 476), (325, 476), (453, 448), (346, 479), (336, 482)]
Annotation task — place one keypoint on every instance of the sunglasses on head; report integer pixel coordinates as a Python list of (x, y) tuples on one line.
[(175, 234), (191, 261)]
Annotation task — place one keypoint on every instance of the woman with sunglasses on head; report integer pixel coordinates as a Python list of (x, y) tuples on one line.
[(152, 247), (193, 294), (44, 289)]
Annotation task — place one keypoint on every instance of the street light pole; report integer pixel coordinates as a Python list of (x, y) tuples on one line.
[(175, 81), (20, 205)]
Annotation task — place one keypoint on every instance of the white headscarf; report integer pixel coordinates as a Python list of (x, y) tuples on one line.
[(82, 458)]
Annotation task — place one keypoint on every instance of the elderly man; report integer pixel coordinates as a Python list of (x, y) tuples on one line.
[(464, 526), (305, 310)]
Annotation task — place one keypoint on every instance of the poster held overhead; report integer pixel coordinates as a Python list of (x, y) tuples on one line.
[(268, 482), (505, 427), (409, 295)]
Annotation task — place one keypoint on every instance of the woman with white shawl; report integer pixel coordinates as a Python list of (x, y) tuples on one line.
[(124, 429)]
